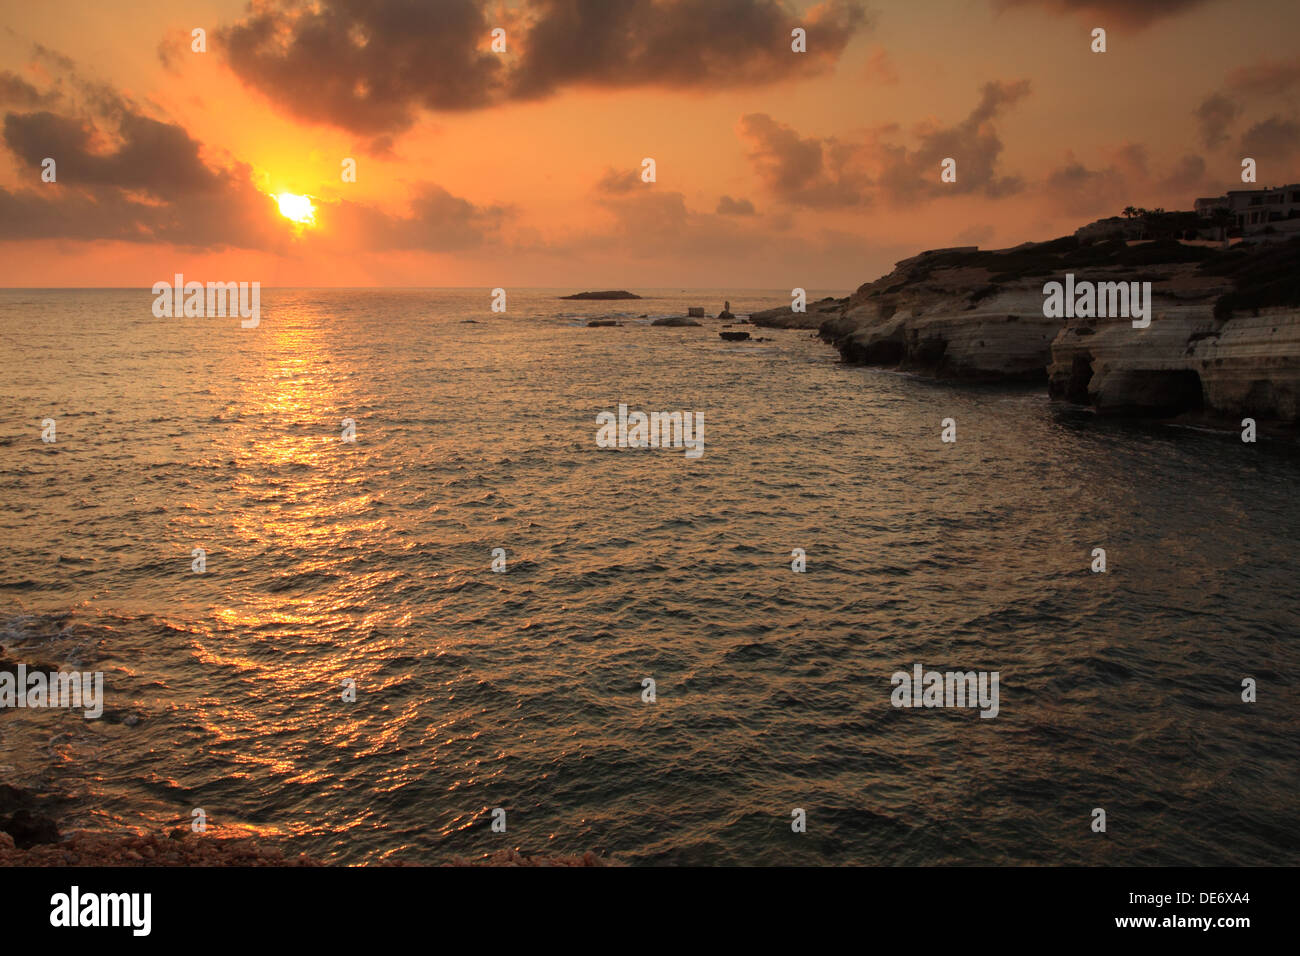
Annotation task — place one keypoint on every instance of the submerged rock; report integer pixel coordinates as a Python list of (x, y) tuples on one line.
[(602, 323), (28, 829), (734, 336)]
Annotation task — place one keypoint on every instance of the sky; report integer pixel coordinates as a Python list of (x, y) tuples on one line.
[(481, 168)]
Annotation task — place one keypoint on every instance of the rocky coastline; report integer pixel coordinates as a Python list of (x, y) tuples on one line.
[(1223, 341)]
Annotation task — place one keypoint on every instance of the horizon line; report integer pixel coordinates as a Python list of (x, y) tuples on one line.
[(540, 288)]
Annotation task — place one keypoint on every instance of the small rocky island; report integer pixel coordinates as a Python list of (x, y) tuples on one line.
[(611, 295)]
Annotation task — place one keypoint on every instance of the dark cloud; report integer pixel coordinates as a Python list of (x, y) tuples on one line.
[(1126, 179), (240, 218), (805, 171), (1135, 13), (1215, 115), (53, 58), (122, 175), (1273, 139), (174, 45), (159, 158), (676, 43), (1076, 190), (371, 67), (15, 91), (437, 222), (830, 172), (735, 207), (1187, 178), (367, 67), (974, 143), (617, 182)]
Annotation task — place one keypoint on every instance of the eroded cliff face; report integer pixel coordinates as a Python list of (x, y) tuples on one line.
[(1214, 346), (1119, 369), (1187, 361), (934, 323)]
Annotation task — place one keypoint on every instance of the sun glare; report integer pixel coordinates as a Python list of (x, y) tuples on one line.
[(297, 208)]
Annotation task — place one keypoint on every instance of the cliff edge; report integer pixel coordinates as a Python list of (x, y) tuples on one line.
[(1223, 337)]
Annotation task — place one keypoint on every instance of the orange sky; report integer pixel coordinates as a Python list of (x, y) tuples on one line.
[(836, 155)]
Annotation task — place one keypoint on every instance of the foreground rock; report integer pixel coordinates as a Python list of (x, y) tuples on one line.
[(613, 294), (734, 336), (100, 849), (23, 820), (675, 321), (1224, 337)]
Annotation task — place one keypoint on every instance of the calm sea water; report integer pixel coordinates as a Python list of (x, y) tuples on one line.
[(371, 560)]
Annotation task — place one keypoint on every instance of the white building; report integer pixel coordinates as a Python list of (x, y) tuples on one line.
[(1255, 209)]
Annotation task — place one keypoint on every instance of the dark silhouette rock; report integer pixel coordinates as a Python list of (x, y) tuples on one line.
[(674, 320), (734, 336), (28, 829), (613, 294), (602, 323)]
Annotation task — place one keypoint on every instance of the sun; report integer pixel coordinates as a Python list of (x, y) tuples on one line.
[(297, 208)]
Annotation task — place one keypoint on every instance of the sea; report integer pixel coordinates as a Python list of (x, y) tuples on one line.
[(363, 581)]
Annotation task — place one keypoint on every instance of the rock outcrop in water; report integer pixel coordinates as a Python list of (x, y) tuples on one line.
[(600, 296), (1224, 336)]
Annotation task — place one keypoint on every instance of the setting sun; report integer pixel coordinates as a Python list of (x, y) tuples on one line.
[(297, 208)]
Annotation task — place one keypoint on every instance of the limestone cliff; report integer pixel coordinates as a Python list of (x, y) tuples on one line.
[(1224, 337)]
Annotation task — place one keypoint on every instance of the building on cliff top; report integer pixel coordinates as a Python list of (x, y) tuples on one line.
[(1254, 210)]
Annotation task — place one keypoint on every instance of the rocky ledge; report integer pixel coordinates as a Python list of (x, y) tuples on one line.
[(1223, 339), (786, 318)]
